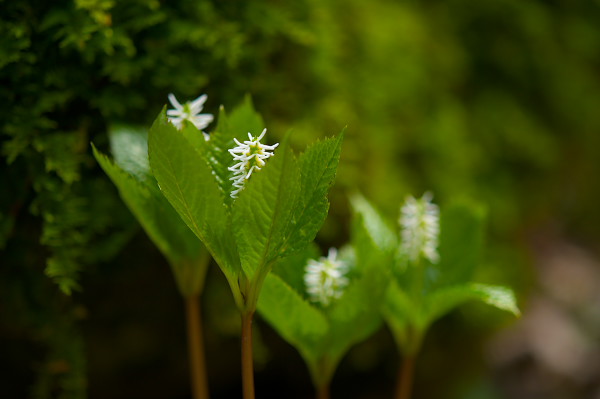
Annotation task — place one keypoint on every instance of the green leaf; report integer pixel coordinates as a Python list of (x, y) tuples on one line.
[(129, 147), (351, 318), (291, 268), (461, 241), (376, 228), (263, 210), (356, 315), (195, 137), (318, 166), (297, 321), (187, 182), (244, 119), (443, 301), (185, 253)]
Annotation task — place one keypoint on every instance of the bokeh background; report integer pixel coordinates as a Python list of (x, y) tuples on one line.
[(496, 100)]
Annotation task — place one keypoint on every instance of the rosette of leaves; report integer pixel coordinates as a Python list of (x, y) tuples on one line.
[(324, 334), (420, 293), (187, 256), (277, 214)]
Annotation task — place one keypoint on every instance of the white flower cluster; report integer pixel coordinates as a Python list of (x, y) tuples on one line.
[(190, 111), (420, 222), (250, 156), (326, 279)]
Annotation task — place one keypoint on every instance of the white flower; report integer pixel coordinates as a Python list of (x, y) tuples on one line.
[(420, 222), (325, 279), (190, 111), (250, 156)]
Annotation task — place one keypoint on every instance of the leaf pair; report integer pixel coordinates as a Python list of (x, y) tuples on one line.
[(279, 211)]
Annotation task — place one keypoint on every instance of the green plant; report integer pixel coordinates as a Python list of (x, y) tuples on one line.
[(323, 329), (426, 284), (278, 212), (186, 255)]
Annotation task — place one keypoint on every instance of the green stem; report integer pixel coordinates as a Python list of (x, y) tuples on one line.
[(247, 361), (405, 378), (196, 347)]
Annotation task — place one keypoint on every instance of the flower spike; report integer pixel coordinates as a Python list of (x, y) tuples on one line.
[(250, 156), (420, 228), (190, 112), (326, 279)]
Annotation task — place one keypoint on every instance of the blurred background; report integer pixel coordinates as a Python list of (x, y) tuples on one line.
[(497, 101)]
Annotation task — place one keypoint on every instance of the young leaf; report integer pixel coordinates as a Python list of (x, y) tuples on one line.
[(187, 182), (263, 210), (318, 166)]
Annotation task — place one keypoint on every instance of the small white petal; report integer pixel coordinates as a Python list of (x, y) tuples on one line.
[(174, 101)]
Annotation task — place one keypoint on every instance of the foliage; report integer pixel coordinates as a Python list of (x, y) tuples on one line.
[(279, 211), (324, 334), (420, 293)]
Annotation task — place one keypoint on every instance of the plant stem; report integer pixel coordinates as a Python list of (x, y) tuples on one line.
[(405, 378), (323, 391), (247, 361), (196, 348)]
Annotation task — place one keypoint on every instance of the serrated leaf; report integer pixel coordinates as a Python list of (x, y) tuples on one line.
[(263, 210), (318, 167), (443, 301), (187, 182)]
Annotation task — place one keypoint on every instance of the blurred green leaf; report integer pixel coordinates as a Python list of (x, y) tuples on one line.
[(378, 230), (137, 187), (446, 299), (460, 243)]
